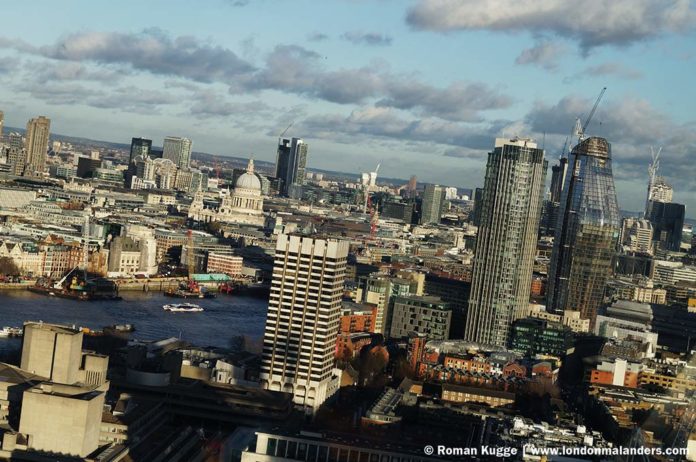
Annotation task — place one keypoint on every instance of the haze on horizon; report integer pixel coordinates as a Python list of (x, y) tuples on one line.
[(423, 86)]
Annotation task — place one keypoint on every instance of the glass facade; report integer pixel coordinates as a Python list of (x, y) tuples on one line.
[(587, 231)]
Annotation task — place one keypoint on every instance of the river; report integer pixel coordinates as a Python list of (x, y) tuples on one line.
[(224, 317)]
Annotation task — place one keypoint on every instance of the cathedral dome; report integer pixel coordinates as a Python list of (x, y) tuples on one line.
[(248, 180)]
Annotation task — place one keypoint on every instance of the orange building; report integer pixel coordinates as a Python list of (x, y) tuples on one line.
[(538, 287), (358, 318)]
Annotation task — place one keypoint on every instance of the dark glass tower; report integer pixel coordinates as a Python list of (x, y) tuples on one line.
[(667, 219), (291, 161), (139, 147), (586, 233)]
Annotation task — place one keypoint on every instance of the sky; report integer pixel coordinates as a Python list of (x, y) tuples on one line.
[(422, 87)]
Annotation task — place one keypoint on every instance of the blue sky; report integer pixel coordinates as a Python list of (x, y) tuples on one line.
[(422, 86)]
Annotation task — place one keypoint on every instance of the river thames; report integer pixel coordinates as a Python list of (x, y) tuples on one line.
[(224, 317)]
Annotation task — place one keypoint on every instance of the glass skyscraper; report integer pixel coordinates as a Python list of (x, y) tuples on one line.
[(291, 162), (586, 233), (507, 237)]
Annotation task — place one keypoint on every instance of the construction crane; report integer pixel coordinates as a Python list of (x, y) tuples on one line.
[(580, 130), (652, 174), (286, 130)]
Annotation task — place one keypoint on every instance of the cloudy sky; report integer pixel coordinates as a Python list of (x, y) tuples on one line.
[(422, 86)]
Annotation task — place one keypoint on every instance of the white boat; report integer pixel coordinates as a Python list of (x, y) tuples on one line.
[(182, 307), (11, 332)]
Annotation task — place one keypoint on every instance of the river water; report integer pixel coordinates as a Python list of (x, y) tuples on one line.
[(224, 318)]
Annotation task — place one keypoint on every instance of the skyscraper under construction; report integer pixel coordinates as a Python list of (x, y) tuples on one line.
[(586, 232)]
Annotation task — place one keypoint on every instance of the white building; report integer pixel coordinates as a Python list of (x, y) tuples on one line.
[(303, 317), (244, 205), (178, 150)]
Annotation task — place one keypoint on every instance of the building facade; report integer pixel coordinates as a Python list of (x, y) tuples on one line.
[(291, 162), (506, 242), (303, 318), (178, 150), (426, 315), (587, 232), (139, 147), (38, 131), (433, 203)]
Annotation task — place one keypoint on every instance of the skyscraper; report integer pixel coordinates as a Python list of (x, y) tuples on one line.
[(667, 220), (178, 150), (660, 191), (506, 242), (558, 174), (303, 317), (2, 122), (433, 203), (586, 233), (550, 212), (291, 162), (38, 131), (139, 147)]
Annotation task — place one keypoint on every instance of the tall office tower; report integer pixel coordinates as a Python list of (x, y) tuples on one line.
[(139, 147), (37, 144), (178, 150), (506, 243), (667, 220), (303, 317), (291, 162), (637, 236), (2, 122), (587, 232), (433, 203)]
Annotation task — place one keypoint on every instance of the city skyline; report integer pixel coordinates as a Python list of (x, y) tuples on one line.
[(357, 84)]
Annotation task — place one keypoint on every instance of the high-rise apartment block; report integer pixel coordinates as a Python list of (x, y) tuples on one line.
[(178, 150), (586, 233), (303, 318), (36, 145), (433, 203), (506, 242), (291, 162)]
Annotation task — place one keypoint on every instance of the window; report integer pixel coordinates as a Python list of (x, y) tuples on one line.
[(312, 453), (282, 445), (333, 455), (271, 446), (323, 451), (292, 450)]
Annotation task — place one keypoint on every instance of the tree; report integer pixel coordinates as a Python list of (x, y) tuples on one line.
[(8, 266)]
